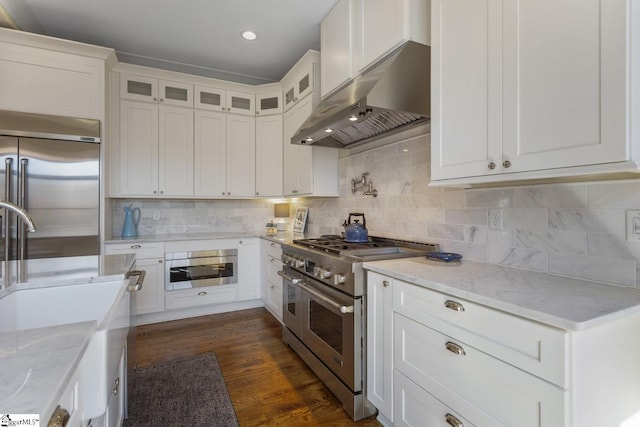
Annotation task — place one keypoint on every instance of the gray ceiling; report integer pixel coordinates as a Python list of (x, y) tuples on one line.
[(193, 36)]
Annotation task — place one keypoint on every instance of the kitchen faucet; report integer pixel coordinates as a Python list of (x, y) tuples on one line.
[(31, 227)]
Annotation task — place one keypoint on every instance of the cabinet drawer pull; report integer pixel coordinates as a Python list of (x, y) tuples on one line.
[(202, 293), (59, 418), (385, 283), (506, 164), (453, 421), (455, 348), (491, 165), (135, 246), (453, 305)]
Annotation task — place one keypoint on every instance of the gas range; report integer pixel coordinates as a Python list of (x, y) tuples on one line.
[(338, 263), (324, 308)]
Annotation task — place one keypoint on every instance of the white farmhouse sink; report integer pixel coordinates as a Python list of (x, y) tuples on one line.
[(107, 303)]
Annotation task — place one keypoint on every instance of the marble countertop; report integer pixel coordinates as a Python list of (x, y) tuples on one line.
[(279, 237), (36, 364), (179, 237), (565, 303)]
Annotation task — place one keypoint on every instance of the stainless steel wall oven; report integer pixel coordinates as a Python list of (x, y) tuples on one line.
[(184, 270)]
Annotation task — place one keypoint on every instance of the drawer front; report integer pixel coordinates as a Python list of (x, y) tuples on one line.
[(142, 250), (274, 299), (417, 408), (274, 250), (273, 267), (454, 370), (531, 346), (200, 296)]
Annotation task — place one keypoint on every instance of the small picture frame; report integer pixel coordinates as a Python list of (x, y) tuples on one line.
[(300, 220)]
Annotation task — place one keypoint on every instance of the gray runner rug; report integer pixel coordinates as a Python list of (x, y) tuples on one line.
[(188, 391)]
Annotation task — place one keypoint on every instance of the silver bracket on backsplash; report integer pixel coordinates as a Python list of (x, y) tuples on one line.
[(364, 184)]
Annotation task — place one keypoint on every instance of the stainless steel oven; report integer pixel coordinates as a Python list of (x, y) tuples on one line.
[(292, 300), (331, 329), (324, 309), (184, 270)]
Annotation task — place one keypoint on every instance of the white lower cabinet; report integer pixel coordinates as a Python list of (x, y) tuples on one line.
[(248, 269), (200, 296), (270, 264), (379, 345), (455, 362), (417, 408), (150, 258), (72, 398), (457, 372)]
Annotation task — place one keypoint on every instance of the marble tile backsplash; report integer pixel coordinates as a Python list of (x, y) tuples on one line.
[(575, 230)]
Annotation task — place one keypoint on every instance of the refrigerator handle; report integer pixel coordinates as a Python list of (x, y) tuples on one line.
[(7, 196), (22, 202)]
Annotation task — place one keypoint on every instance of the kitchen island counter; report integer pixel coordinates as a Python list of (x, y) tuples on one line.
[(562, 302), (37, 363)]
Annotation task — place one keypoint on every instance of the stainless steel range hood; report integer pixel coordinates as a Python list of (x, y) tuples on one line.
[(392, 95)]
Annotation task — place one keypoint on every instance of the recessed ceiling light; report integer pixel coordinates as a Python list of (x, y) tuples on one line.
[(249, 35), (309, 139), (328, 130)]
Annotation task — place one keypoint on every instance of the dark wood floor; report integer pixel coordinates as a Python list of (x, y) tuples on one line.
[(269, 385)]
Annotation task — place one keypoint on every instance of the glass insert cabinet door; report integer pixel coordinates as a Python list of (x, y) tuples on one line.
[(210, 98)]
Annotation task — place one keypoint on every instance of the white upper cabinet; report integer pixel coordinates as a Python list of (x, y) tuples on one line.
[(509, 98), (52, 76), (269, 103), (269, 156), (301, 80), (241, 103), (379, 26), (210, 98), (156, 150), (335, 39), (143, 88), (225, 149), (210, 176), (357, 33)]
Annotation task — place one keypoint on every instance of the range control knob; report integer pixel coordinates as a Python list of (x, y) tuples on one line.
[(299, 263), (325, 273), (317, 271), (339, 279)]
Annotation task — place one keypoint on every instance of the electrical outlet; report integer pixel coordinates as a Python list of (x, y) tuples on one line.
[(156, 215), (495, 219), (633, 225)]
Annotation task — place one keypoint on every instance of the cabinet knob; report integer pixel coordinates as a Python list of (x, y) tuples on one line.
[(294, 191), (161, 99), (385, 283), (257, 112), (155, 99), (506, 164), (155, 192), (161, 191), (273, 261), (273, 245), (492, 166), (455, 348), (273, 288), (160, 261), (453, 421)]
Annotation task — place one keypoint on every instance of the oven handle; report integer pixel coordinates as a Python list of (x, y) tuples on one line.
[(285, 276), (342, 308)]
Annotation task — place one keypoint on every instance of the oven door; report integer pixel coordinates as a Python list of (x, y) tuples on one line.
[(332, 330), (194, 272), (291, 300)]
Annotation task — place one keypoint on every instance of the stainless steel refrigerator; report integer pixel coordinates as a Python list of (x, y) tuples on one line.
[(50, 166)]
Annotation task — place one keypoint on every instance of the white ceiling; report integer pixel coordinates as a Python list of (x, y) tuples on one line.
[(193, 36)]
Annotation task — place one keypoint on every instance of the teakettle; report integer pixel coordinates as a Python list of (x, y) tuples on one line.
[(356, 232), (131, 220)]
